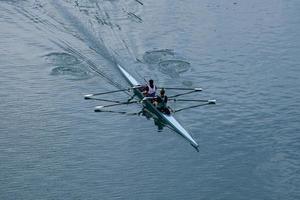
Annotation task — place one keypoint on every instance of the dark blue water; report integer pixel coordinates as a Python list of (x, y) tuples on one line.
[(244, 54)]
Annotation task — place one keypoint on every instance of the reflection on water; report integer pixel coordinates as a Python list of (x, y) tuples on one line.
[(144, 112)]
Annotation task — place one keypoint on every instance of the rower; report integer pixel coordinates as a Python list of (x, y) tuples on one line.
[(150, 89), (161, 102)]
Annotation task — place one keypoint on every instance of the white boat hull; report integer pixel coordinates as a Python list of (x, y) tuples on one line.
[(167, 119)]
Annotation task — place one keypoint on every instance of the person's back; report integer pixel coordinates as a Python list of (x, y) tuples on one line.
[(162, 101), (150, 90)]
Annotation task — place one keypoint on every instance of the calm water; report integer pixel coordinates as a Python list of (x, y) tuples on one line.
[(245, 54)]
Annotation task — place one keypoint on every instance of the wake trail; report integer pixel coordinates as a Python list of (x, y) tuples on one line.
[(91, 65), (82, 35), (97, 44), (92, 41), (61, 35)]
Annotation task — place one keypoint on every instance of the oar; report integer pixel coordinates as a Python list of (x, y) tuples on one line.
[(192, 107), (185, 93), (88, 96), (98, 108), (139, 2), (178, 88), (118, 112), (106, 100), (212, 101), (148, 98)]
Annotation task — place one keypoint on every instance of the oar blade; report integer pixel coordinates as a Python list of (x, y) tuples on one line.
[(88, 96), (98, 108), (198, 89), (213, 101)]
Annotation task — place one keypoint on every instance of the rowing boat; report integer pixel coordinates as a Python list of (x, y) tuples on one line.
[(168, 120)]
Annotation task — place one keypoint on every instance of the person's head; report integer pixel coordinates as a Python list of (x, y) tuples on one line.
[(151, 82), (162, 92)]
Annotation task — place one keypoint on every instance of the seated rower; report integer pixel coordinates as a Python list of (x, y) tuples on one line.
[(150, 89), (161, 102)]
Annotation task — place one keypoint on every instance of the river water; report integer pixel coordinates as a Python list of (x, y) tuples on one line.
[(244, 54)]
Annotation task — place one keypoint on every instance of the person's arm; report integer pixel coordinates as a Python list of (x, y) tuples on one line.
[(146, 89), (166, 99)]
